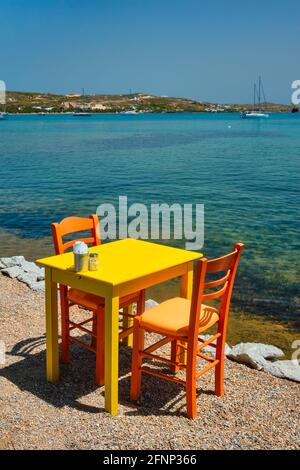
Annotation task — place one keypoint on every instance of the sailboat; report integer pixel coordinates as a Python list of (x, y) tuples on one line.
[(256, 113), (3, 115)]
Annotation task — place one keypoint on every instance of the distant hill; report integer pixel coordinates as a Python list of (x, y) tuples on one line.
[(25, 102)]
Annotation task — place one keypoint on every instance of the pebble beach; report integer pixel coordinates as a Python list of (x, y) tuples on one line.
[(258, 411)]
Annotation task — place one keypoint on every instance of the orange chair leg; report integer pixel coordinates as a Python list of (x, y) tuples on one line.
[(100, 348), (94, 330), (138, 345), (219, 370), (191, 404), (175, 355), (65, 341)]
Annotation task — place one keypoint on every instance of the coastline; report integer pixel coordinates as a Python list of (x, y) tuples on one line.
[(123, 103), (243, 326), (92, 113)]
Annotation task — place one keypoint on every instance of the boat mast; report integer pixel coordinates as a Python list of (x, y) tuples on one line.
[(259, 92), (254, 93)]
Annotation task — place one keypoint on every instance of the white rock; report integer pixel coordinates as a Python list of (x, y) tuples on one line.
[(267, 350), (28, 278), (2, 266), (254, 354), (13, 271), (211, 349), (250, 359), (284, 369), (150, 303), (12, 261), (30, 267), (41, 276), (37, 286)]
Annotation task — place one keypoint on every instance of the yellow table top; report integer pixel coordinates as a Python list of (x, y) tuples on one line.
[(125, 260)]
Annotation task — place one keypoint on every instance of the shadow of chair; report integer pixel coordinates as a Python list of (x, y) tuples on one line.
[(77, 380)]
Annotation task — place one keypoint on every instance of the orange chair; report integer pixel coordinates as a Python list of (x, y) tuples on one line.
[(69, 297), (181, 321)]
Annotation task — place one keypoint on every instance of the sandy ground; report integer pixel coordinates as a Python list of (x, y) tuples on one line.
[(258, 411)]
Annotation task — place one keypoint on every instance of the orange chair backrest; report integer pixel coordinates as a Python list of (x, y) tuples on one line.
[(71, 225), (224, 285)]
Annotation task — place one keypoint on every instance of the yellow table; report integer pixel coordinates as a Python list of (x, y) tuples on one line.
[(125, 266)]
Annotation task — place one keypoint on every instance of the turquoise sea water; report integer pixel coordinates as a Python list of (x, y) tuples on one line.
[(245, 172)]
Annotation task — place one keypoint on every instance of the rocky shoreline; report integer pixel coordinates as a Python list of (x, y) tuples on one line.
[(16, 267), (255, 355)]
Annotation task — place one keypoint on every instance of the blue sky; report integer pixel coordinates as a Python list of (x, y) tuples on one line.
[(206, 50)]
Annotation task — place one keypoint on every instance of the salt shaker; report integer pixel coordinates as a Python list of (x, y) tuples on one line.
[(81, 256)]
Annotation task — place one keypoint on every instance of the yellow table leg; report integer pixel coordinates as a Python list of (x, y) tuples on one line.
[(111, 353), (52, 362), (128, 323), (186, 284), (186, 289)]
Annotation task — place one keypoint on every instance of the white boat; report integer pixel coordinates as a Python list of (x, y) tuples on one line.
[(3, 116), (81, 113), (129, 112), (253, 114), (256, 113)]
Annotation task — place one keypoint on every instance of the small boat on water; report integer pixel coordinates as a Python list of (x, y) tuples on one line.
[(132, 111), (253, 114), (3, 116), (81, 113), (256, 112)]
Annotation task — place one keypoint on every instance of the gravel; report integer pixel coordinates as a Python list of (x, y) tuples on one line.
[(258, 411)]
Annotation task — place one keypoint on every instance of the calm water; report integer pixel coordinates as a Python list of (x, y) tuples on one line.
[(245, 172)]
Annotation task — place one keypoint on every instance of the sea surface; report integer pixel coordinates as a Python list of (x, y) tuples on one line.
[(245, 172)]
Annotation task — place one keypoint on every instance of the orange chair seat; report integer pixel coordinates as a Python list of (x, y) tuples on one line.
[(93, 302), (171, 318)]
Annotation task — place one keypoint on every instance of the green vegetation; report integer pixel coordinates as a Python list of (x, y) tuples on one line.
[(249, 328), (25, 102)]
